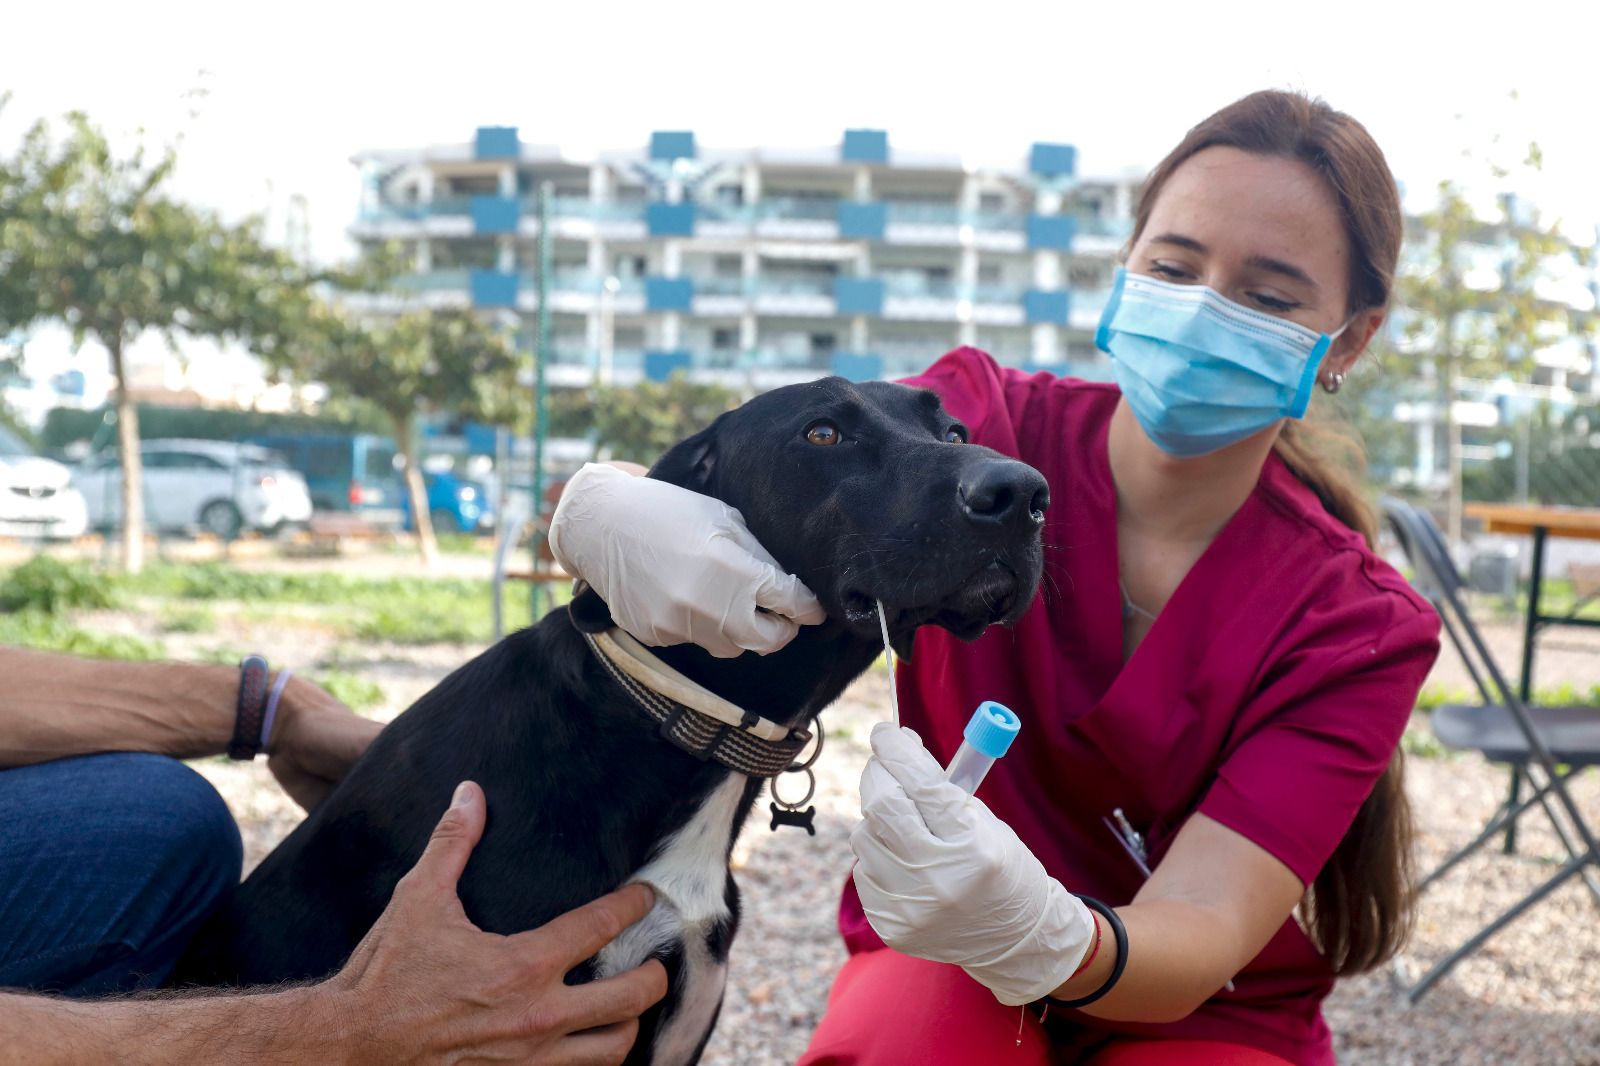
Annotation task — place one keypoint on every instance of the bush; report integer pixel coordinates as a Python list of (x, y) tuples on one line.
[(48, 585)]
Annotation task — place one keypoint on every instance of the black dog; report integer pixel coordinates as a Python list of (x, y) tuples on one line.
[(866, 493)]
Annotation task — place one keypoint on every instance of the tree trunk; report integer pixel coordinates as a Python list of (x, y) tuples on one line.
[(417, 494), (132, 467)]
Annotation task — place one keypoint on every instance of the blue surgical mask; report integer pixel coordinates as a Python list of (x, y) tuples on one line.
[(1200, 371)]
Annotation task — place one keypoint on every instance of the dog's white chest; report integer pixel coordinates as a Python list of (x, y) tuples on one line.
[(689, 874)]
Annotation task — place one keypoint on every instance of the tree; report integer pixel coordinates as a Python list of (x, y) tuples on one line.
[(93, 240), (642, 421), (420, 361), (1460, 327)]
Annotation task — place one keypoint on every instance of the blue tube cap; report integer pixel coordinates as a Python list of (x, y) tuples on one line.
[(992, 729)]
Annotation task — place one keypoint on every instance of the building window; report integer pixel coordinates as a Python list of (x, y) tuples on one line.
[(992, 202), (989, 273), (728, 266), (1082, 275), (822, 343), (724, 340)]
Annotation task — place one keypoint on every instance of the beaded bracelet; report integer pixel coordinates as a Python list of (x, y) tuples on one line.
[(1121, 935)]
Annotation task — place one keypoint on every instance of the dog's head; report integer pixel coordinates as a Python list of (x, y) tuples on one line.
[(871, 492)]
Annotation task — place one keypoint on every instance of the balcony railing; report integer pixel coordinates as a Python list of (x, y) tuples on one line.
[(778, 208), (781, 286), (797, 209), (719, 286), (1115, 228)]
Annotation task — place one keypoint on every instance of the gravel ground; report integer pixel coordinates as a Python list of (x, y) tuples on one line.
[(1532, 995)]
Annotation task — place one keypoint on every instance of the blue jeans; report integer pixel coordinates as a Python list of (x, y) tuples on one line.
[(108, 864)]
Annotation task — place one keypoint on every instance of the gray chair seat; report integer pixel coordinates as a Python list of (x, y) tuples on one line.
[(1571, 733)]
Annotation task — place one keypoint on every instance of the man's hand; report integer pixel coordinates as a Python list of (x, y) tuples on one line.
[(315, 740), (426, 980)]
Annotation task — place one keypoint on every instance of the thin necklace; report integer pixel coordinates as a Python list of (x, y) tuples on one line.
[(1129, 608)]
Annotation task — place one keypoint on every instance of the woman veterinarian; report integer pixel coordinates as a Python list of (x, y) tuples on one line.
[(1217, 653)]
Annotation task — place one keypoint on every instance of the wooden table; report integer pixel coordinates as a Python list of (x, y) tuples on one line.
[(1541, 523)]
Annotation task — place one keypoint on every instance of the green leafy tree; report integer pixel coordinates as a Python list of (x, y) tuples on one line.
[(94, 240), (1464, 330), (406, 365), (639, 422)]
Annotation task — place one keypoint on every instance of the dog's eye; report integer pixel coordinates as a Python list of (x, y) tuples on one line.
[(823, 433), (955, 435)]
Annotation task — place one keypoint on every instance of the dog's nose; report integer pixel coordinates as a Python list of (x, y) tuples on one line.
[(1003, 491)]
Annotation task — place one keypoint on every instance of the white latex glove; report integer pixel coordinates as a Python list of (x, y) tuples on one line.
[(676, 567), (941, 878)]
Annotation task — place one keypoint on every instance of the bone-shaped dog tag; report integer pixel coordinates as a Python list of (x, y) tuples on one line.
[(797, 818)]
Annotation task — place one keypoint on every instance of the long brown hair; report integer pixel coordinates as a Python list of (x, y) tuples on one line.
[(1359, 907)]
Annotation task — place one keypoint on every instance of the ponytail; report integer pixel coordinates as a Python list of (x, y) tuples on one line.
[(1359, 908)]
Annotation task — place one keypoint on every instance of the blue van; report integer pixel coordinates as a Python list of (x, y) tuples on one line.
[(456, 504), (354, 472)]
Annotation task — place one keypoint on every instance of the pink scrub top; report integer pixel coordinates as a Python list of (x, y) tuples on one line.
[(1269, 694)]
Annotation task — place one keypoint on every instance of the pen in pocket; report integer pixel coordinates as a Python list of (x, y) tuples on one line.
[(1132, 842)]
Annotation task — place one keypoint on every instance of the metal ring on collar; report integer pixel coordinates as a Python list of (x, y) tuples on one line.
[(811, 790), (816, 752)]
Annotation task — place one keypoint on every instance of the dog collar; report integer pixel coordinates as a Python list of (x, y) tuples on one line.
[(693, 717)]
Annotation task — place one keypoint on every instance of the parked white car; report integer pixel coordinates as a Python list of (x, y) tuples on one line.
[(36, 495), (217, 486)]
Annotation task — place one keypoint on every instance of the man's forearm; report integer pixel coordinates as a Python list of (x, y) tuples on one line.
[(292, 1026), (55, 706)]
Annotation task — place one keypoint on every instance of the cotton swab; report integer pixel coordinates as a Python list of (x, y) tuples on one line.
[(888, 657)]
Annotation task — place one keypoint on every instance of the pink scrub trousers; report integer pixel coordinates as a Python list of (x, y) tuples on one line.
[(889, 1009)]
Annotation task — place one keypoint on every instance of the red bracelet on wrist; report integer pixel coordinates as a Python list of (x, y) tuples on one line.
[(1084, 965)]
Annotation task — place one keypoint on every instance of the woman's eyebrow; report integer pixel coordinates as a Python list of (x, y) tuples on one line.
[(1180, 241), (1278, 266)]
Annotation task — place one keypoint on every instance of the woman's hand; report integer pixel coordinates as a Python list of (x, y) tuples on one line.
[(941, 878), (315, 741), (676, 567)]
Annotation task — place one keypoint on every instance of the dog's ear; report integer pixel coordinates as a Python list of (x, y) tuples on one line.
[(692, 462), (588, 611)]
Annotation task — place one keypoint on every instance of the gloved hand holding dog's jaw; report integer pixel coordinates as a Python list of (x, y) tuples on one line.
[(941, 878), (676, 567)]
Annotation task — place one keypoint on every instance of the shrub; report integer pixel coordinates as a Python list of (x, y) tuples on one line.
[(49, 585)]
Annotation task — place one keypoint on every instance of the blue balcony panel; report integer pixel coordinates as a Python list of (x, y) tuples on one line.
[(493, 288), (865, 221), (496, 142), (494, 214), (668, 294), (1046, 305), (865, 146), (672, 144), (1053, 160), (670, 220), (659, 366), (1051, 232), (857, 366), (858, 296)]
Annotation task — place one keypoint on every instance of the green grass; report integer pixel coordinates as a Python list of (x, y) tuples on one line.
[(181, 618), (47, 632), (403, 610), (355, 692)]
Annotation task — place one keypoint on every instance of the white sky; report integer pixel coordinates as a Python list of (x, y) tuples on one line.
[(295, 88)]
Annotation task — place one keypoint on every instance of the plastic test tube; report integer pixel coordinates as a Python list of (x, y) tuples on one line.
[(987, 737)]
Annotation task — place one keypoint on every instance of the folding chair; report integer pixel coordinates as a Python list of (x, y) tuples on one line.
[(1559, 741)]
